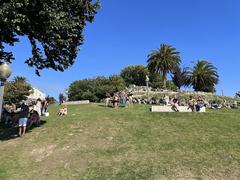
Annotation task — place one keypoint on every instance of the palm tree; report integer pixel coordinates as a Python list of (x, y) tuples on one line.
[(179, 77), (238, 94), (203, 76), (163, 61)]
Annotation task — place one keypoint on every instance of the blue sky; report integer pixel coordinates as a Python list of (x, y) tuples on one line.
[(125, 31)]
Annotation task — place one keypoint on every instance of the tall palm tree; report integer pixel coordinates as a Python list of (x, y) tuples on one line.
[(203, 76), (179, 77), (163, 61), (238, 94)]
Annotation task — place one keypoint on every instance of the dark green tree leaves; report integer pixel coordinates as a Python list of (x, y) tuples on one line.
[(17, 90), (179, 77), (238, 94), (95, 89), (203, 76), (54, 28), (163, 61), (135, 75)]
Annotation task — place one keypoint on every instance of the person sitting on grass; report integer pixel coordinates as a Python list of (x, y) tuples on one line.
[(23, 118), (62, 111), (175, 104), (165, 100), (129, 100), (226, 104), (200, 104), (215, 105), (191, 104)]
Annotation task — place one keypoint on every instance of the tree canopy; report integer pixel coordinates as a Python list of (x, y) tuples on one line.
[(17, 90), (179, 77), (163, 60), (53, 27), (135, 75), (203, 76), (238, 94), (95, 89)]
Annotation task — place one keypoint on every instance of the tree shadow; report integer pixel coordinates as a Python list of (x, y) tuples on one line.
[(111, 107), (8, 133), (104, 106)]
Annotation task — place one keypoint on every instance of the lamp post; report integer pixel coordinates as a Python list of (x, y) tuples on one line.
[(66, 92), (5, 72), (147, 81)]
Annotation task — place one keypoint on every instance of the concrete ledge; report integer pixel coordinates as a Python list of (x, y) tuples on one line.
[(76, 102), (203, 109), (169, 109)]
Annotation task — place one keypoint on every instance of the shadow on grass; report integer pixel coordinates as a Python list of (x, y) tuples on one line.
[(111, 107), (8, 133), (104, 106)]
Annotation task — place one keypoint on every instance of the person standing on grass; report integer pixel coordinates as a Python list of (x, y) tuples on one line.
[(191, 104), (107, 100), (123, 99), (44, 106), (23, 118), (115, 100), (38, 107)]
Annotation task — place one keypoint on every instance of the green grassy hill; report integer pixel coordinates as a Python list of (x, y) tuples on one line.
[(96, 142)]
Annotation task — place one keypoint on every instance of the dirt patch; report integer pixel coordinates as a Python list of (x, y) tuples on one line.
[(39, 154), (9, 144)]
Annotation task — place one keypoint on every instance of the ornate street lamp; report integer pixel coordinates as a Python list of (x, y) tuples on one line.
[(147, 83), (5, 72)]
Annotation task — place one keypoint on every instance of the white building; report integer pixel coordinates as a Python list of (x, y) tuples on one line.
[(36, 94)]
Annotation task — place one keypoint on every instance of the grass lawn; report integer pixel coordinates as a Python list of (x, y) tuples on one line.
[(95, 142)]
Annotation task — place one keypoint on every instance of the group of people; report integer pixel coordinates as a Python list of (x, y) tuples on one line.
[(124, 99), (119, 99), (194, 105), (40, 106), (24, 115)]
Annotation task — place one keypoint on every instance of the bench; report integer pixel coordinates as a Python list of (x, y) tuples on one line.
[(169, 109)]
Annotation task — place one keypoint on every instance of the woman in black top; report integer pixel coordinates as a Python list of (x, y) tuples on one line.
[(23, 117)]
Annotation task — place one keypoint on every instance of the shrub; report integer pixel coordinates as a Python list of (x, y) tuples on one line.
[(95, 89)]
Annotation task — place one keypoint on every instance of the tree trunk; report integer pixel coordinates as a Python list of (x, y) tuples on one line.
[(164, 80), (164, 83)]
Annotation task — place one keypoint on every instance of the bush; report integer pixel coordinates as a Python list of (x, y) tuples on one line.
[(89, 96), (95, 89), (156, 81), (171, 86), (135, 75), (17, 90)]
